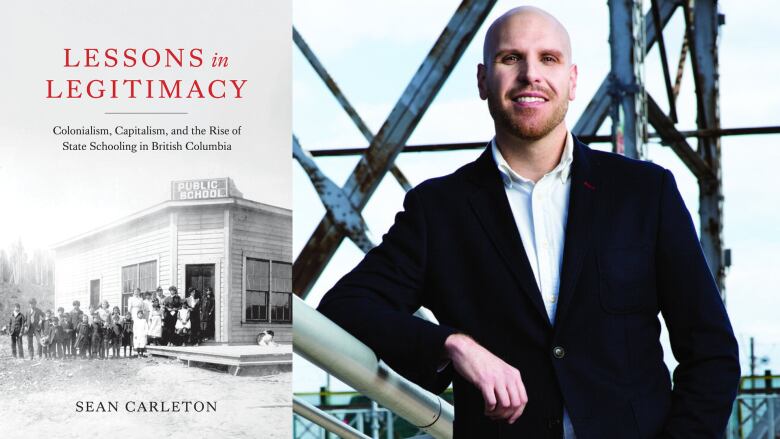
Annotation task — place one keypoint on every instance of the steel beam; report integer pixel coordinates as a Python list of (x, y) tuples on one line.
[(342, 99), (664, 62), (389, 142), (598, 107), (627, 89), (341, 213), (704, 59), (680, 68), (441, 147), (676, 140)]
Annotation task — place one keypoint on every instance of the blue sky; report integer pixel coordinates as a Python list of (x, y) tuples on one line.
[(372, 49)]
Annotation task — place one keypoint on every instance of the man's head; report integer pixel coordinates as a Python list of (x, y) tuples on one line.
[(527, 77), (17, 307), (76, 304), (32, 303)]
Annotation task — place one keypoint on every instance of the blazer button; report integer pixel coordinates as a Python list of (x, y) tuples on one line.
[(558, 352)]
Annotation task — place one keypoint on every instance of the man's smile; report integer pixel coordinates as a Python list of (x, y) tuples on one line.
[(529, 99)]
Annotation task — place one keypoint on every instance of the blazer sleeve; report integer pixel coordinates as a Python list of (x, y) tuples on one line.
[(702, 340), (375, 302)]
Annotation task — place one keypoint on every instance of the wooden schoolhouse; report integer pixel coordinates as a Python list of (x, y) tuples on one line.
[(207, 235)]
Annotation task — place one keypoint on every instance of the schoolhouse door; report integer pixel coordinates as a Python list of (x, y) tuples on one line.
[(200, 276)]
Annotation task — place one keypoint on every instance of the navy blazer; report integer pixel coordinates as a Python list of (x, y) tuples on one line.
[(630, 252)]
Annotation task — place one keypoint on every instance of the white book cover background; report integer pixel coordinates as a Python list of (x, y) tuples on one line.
[(232, 110)]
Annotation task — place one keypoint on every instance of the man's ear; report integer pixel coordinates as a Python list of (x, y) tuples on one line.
[(572, 81), (481, 78)]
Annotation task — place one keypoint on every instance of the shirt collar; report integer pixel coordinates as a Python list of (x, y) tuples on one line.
[(562, 170)]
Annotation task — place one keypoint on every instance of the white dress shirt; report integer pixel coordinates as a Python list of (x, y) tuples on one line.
[(540, 211)]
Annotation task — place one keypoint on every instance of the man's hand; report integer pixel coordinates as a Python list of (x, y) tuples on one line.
[(500, 384)]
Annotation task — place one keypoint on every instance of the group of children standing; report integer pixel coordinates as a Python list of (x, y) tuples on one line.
[(103, 332)]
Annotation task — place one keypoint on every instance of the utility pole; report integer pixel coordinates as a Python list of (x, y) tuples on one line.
[(752, 360)]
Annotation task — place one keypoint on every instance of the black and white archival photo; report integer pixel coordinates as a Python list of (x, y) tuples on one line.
[(146, 232)]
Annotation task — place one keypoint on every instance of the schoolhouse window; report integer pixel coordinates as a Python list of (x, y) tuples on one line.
[(257, 282), (281, 292), (142, 275)]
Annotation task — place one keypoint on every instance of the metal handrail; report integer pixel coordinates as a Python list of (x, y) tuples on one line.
[(325, 420), (331, 348)]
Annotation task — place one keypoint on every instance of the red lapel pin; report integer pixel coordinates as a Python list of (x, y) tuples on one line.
[(590, 186)]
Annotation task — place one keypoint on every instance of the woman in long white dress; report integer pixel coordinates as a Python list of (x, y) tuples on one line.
[(140, 330), (155, 324), (135, 303)]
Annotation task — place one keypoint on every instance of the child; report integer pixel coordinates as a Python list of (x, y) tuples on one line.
[(47, 335), (59, 338), (82, 332), (116, 334), (104, 311), (97, 337), (140, 329), (16, 328), (127, 335), (60, 333), (183, 323), (60, 314), (75, 320), (67, 336), (108, 333), (155, 324), (47, 320)]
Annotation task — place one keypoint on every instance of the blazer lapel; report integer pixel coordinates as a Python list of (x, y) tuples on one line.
[(491, 207), (585, 187)]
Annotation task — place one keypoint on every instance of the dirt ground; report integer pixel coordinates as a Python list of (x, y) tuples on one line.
[(39, 398)]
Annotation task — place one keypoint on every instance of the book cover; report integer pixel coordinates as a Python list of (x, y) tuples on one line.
[(146, 232)]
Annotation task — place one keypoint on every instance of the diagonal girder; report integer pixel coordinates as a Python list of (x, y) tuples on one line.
[(598, 107), (664, 62), (344, 215), (342, 99), (389, 142), (331, 84), (665, 128)]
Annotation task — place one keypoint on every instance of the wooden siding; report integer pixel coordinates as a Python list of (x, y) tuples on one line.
[(259, 235), (102, 256), (201, 240)]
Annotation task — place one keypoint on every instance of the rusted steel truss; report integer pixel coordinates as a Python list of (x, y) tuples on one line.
[(345, 204)]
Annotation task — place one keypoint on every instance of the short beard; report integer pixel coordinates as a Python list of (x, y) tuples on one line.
[(504, 120)]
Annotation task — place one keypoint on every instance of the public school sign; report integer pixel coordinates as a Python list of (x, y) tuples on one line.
[(200, 189)]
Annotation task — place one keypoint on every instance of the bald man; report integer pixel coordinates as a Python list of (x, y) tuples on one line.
[(547, 264)]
